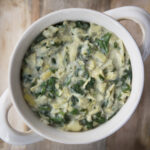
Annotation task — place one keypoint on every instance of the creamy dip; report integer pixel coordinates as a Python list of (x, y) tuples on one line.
[(76, 75)]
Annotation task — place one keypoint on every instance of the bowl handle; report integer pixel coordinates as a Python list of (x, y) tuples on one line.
[(141, 17), (7, 133)]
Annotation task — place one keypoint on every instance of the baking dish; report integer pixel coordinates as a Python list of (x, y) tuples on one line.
[(13, 95)]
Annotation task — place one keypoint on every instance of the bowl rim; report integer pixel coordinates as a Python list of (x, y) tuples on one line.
[(28, 33)]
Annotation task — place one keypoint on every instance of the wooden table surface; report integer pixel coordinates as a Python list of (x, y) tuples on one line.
[(17, 15)]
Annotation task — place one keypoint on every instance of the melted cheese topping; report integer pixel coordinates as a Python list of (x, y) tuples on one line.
[(76, 75)]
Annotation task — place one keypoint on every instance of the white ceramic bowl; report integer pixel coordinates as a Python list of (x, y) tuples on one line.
[(41, 130)]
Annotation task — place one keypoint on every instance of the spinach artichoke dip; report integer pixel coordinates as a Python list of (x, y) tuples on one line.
[(76, 75)]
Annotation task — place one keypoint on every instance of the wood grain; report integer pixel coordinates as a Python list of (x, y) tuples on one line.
[(17, 15)]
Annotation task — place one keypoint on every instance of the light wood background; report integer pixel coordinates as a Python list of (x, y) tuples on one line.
[(17, 15)]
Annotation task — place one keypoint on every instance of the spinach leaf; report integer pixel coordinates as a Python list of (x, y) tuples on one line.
[(51, 89), (44, 109), (48, 87), (89, 125), (82, 25), (53, 60), (127, 73), (57, 120), (74, 100), (75, 111), (43, 87), (90, 84), (66, 58), (105, 71), (39, 38), (119, 97), (98, 118), (116, 45), (57, 44), (103, 43), (89, 100), (86, 123), (27, 78), (88, 38), (84, 110), (104, 103), (79, 48), (101, 77), (53, 69), (67, 118), (59, 24), (116, 81), (38, 68), (77, 87), (126, 87)]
